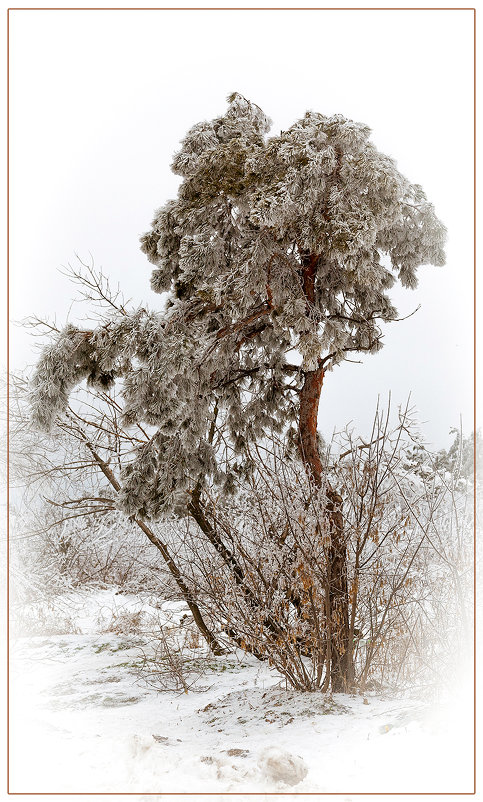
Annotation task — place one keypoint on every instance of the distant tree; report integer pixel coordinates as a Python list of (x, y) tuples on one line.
[(462, 454), (459, 460), (277, 257)]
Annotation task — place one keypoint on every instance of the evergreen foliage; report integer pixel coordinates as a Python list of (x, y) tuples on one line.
[(277, 257), (462, 455)]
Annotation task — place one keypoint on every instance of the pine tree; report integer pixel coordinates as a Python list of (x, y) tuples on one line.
[(464, 454), (277, 256)]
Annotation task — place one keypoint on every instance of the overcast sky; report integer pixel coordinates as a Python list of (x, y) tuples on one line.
[(100, 100)]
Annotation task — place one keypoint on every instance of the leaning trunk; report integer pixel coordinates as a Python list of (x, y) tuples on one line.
[(162, 547)]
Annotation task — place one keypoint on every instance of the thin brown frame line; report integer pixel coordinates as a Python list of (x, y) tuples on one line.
[(8, 406), (474, 406), (249, 793), (242, 8), (241, 793)]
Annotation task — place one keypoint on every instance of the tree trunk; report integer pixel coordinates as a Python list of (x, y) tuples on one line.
[(197, 512), (187, 595), (308, 412), (340, 650), (341, 668), (162, 547)]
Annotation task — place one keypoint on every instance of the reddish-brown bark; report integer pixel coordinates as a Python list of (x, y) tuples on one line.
[(308, 413), (341, 670)]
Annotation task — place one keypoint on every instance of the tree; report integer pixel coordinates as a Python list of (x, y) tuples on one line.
[(277, 257), (463, 455)]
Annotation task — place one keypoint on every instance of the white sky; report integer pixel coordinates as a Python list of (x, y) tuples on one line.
[(100, 99)]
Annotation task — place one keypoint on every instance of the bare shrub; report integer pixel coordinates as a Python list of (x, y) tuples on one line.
[(126, 622), (174, 658), (47, 617), (267, 578)]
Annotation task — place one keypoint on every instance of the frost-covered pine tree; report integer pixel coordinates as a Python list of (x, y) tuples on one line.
[(277, 257)]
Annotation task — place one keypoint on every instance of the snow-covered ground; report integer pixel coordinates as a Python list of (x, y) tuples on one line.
[(85, 717)]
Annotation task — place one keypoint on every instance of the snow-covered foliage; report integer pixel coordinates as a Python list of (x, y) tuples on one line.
[(51, 555), (274, 245)]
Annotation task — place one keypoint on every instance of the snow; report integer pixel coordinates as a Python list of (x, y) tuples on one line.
[(86, 718)]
